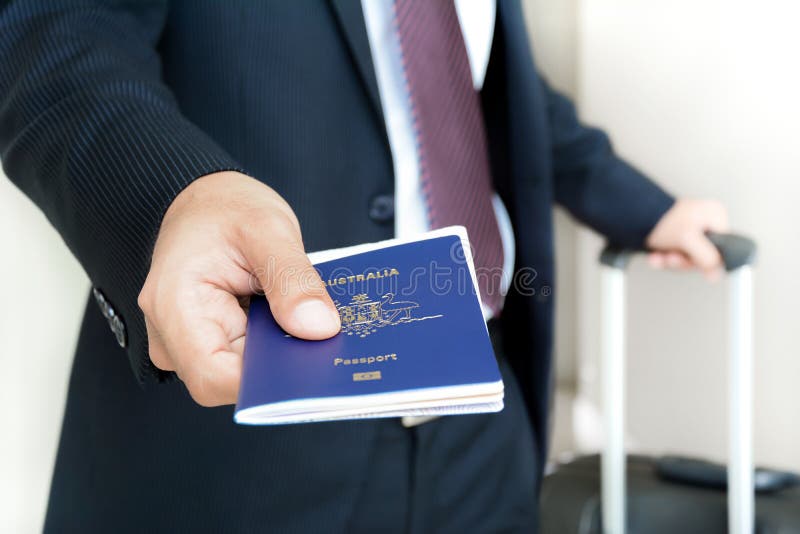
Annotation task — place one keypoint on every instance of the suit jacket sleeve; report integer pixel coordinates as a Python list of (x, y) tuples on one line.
[(596, 186), (91, 134)]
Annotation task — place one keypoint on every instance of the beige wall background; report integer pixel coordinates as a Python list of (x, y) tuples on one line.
[(701, 94), (43, 294)]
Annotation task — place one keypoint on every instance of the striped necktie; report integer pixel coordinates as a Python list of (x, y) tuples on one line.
[(450, 133)]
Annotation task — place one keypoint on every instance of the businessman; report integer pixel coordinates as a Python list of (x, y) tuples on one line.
[(191, 152)]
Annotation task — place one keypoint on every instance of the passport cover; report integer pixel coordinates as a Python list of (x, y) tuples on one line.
[(413, 341)]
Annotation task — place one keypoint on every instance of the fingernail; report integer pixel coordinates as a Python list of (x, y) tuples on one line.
[(314, 316)]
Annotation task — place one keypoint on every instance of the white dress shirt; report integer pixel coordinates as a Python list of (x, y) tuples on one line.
[(476, 18)]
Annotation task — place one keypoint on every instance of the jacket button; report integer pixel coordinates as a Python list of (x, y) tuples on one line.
[(114, 321), (381, 209)]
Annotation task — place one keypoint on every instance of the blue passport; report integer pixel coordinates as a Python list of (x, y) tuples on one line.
[(413, 340)]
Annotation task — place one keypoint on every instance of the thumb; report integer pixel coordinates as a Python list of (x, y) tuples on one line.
[(297, 296)]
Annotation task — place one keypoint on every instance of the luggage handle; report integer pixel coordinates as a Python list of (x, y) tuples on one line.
[(738, 255), (736, 251)]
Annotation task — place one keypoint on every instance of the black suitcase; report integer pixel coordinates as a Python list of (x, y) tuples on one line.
[(612, 494), (570, 502)]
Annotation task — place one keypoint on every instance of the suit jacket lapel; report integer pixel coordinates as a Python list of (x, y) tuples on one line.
[(351, 22)]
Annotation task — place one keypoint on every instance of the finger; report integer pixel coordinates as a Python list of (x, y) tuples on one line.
[(677, 261), (155, 347), (656, 260), (215, 382), (669, 260), (702, 253), (237, 345), (296, 295), (200, 341)]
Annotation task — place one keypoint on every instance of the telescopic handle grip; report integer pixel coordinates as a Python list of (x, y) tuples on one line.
[(736, 251)]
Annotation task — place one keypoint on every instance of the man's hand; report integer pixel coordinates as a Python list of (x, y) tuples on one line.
[(223, 238), (678, 240)]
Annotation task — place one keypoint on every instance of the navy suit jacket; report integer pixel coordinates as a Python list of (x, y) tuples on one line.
[(108, 109)]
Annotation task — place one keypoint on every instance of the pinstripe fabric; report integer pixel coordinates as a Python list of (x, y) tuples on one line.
[(109, 107), (453, 152), (95, 138)]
